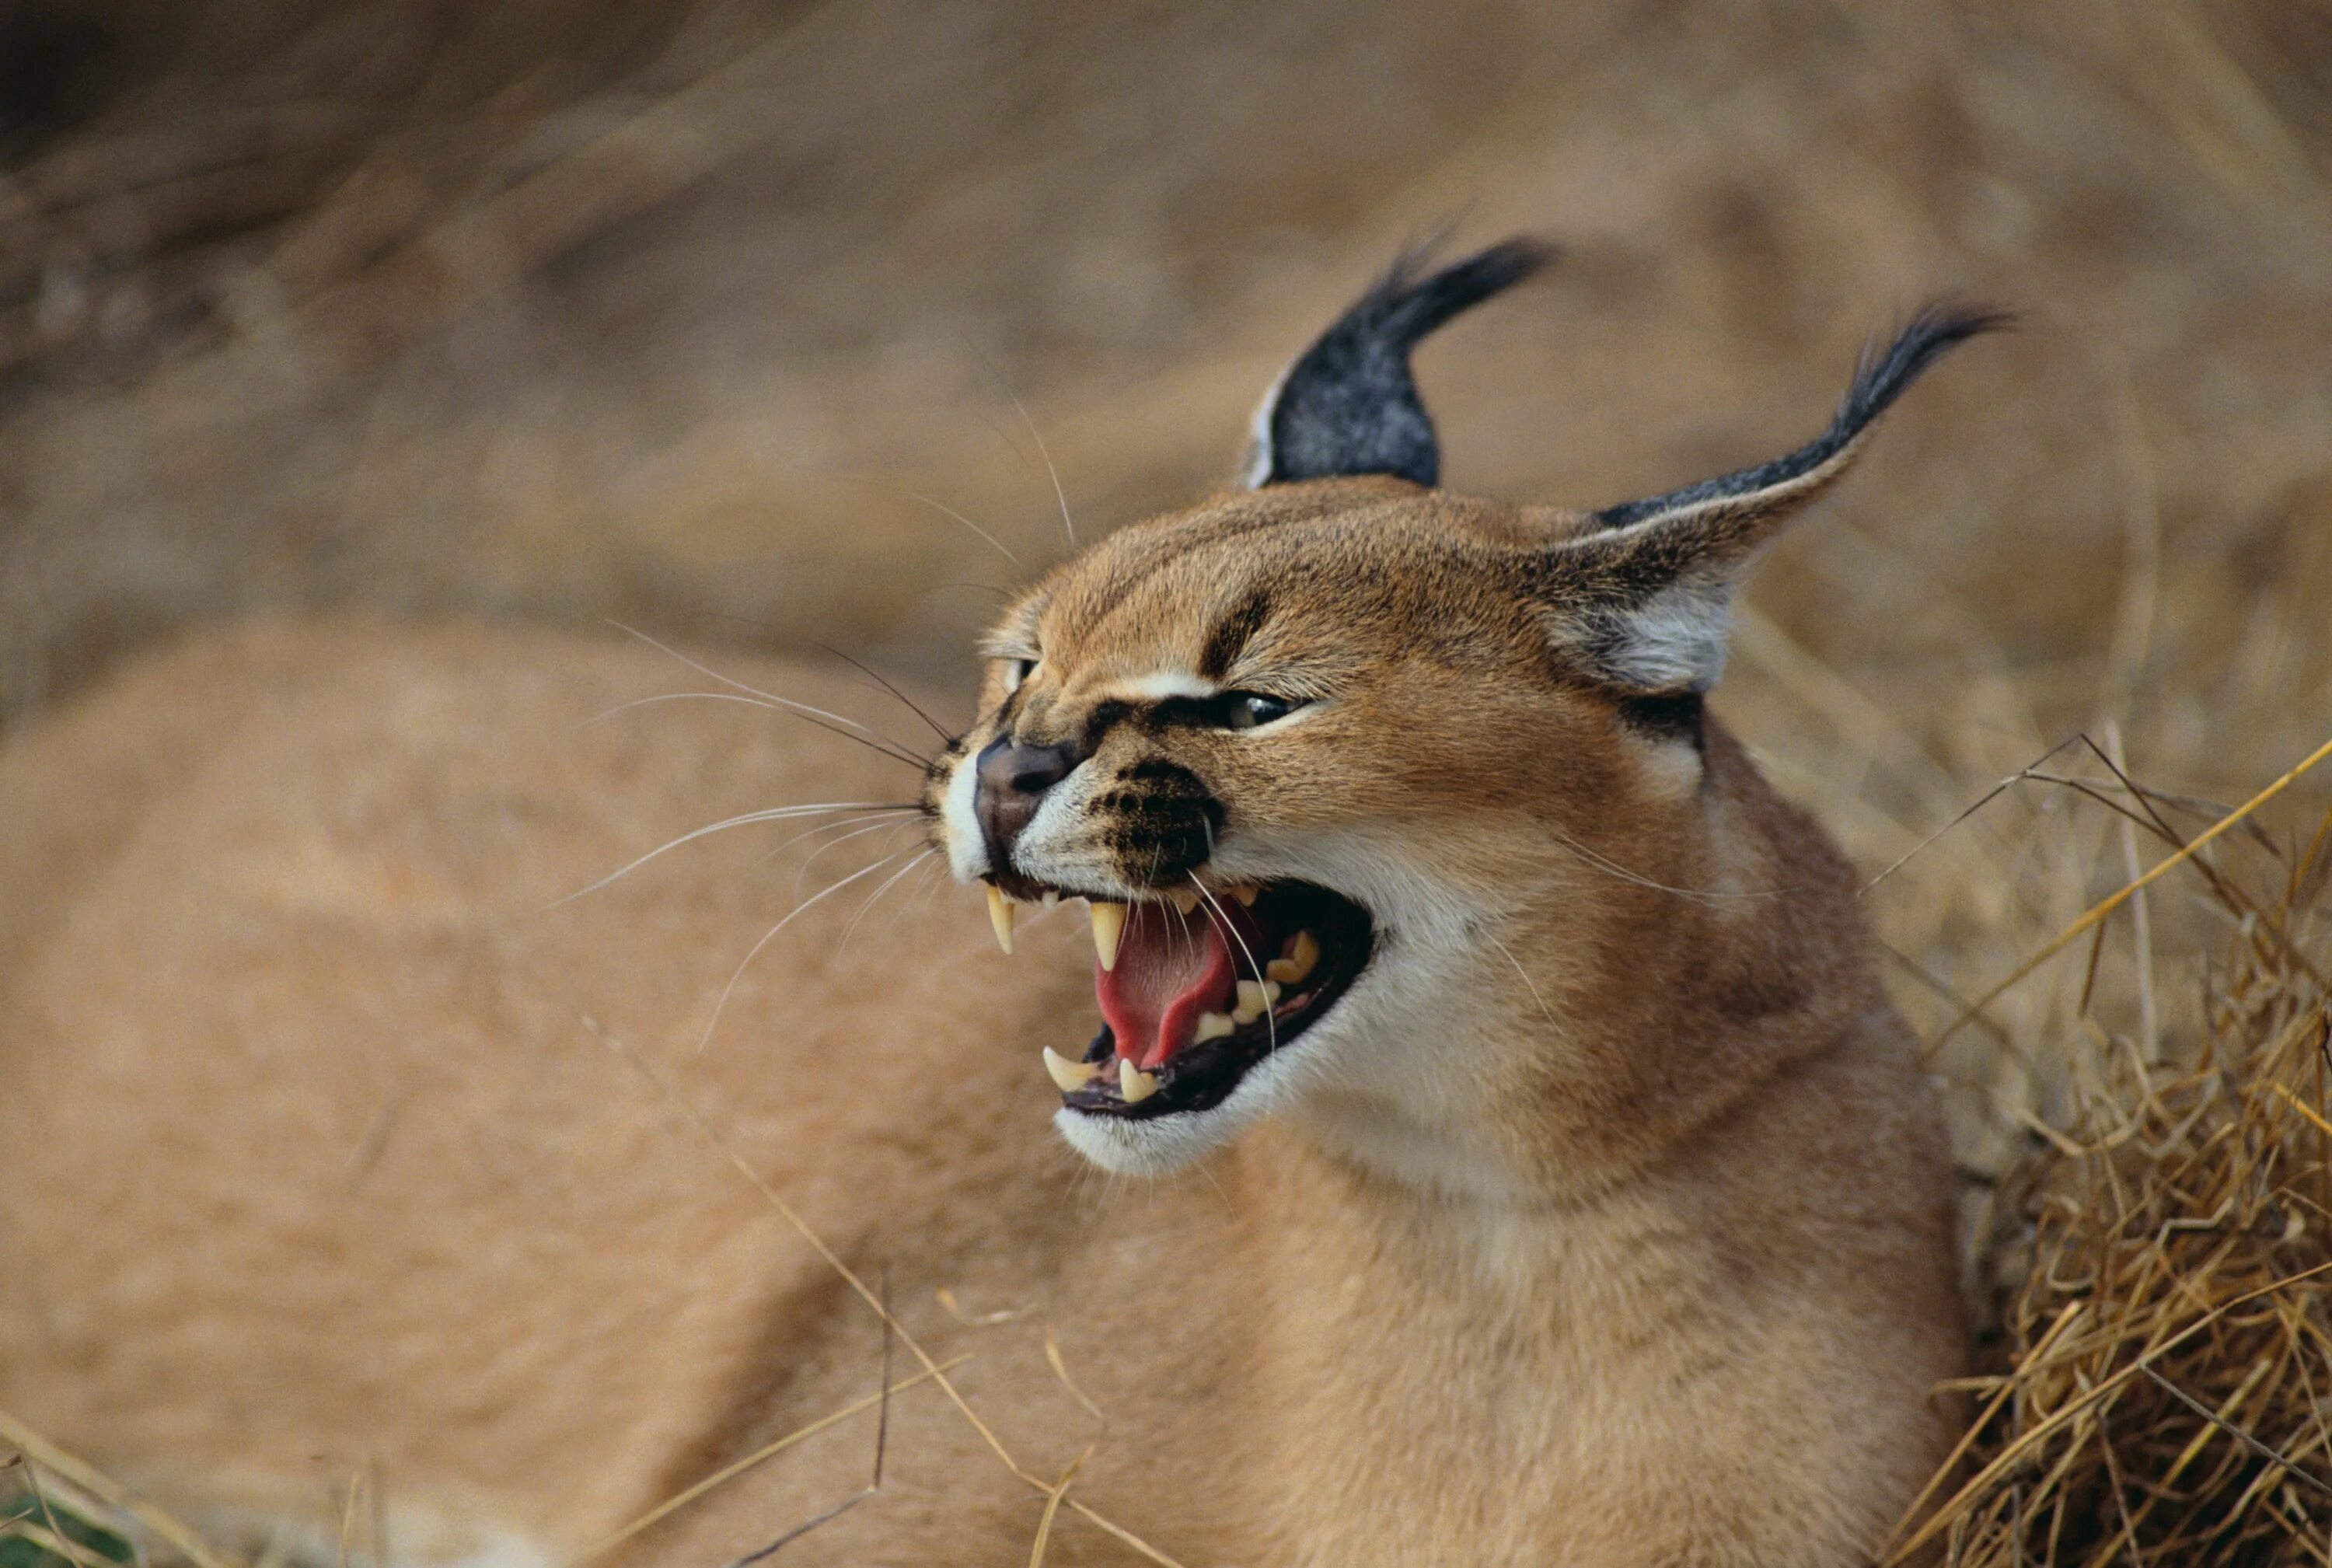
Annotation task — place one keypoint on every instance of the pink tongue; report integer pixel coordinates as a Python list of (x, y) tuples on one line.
[(1170, 970)]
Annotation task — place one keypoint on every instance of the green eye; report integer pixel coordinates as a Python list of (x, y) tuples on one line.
[(1246, 710)]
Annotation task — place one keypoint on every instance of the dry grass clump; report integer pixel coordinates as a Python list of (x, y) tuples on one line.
[(2163, 1258)]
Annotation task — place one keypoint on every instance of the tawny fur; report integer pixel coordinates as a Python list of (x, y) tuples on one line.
[(316, 1159)]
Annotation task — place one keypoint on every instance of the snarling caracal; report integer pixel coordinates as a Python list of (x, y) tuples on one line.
[(1557, 1185)]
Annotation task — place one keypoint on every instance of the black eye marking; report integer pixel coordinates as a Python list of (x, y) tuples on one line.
[(1226, 710), (1233, 633)]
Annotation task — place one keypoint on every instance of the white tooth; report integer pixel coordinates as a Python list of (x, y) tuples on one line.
[(1051, 898), (1070, 1076), (1297, 963), (1244, 892), (1184, 899), (999, 916), (1254, 1000), (1109, 928), (1213, 1027), (1134, 1084)]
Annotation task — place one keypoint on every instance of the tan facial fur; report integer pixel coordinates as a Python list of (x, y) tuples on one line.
[(330, 1150)]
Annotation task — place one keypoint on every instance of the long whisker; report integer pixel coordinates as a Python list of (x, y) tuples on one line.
[(1038, 438), (810, 833), (864, 735), (1613, 868), (942, 506), (875, 897), (770, 935), (774, 814), (1545, 1011), (1221, 917), (899, 755), (912, 706), (606, 714), (802, 872)]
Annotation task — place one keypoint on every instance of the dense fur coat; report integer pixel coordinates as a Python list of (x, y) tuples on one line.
[(1600, 1216)]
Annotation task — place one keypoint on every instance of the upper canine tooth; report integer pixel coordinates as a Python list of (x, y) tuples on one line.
[(1134, 1084), (1244, 892), (1109, 929), (999, 916), (1298, 962), (1185, 899), (1070, 1076)]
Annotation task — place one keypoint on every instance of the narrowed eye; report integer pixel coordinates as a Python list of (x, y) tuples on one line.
[(1015, 671), (1246, 710)]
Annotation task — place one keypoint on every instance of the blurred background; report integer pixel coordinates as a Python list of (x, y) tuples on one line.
[(722, 320)]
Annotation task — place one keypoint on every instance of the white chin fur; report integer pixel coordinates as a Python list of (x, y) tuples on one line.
[(1161, 1145)]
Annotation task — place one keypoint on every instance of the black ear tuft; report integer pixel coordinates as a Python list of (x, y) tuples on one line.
[(1349, 405), (1878, 381)]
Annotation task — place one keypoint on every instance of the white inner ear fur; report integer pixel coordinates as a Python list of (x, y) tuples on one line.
[(1257, 467), (1674, 641)]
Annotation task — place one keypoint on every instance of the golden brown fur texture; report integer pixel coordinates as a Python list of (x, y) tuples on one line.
[(1576, 1199), (318, 1162)]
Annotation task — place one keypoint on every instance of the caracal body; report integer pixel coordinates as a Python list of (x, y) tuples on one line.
[(1599, 1216)]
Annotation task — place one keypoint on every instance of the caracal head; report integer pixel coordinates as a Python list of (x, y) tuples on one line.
[(1345, 764)]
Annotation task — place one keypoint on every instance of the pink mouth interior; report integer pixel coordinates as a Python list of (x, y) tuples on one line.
[(1170, 968)]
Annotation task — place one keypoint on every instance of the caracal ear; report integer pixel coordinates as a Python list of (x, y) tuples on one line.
[(1643, 597), (1349, 406)]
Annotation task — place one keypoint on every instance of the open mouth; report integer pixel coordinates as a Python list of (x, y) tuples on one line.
[(1196, 991)]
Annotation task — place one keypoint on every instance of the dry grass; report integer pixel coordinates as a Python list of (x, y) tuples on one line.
[(2160, 1261), (581, 308)]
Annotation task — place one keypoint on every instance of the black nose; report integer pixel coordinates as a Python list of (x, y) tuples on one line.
[(1012, 780)]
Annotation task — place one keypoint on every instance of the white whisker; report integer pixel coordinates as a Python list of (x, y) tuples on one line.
[(774, 814), (811, 833), (942, 506), (1533, 985), (770, 935), (1037, 435), (875, 897), (1221, 917), (1613, 868), (809, 860), (872, 737)]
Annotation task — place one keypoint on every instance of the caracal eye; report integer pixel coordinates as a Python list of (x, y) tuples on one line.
[(1247, 710), (1015, 670)]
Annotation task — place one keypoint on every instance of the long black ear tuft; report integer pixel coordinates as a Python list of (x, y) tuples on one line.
[(1646, 601), (1349, 405), (1878, 381)]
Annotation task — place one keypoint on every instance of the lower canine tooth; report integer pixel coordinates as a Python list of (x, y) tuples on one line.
[(1213, 1027), (1070, 1076), (1297, 963), (1254, 1000), (1134, 1084), (1108, 928), (999, 916)]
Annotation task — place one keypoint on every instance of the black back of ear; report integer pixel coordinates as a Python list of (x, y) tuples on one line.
[(1349, 405)]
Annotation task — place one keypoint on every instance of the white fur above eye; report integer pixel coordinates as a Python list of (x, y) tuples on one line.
[(1159, 684)]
